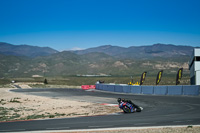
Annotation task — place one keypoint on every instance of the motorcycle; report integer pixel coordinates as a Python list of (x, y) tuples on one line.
[(129, 107)]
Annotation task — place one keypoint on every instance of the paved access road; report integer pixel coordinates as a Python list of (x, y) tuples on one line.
[(158, 111)]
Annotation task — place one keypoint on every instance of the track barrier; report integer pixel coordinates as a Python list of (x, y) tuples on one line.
[(86, 87), (193, 90), (160, 90), (136, 89), (175, 90), (147, 89)]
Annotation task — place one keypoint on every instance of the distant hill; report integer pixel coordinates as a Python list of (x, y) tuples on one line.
[(59, 64), (25, 50), (141, 52), (25, 61)]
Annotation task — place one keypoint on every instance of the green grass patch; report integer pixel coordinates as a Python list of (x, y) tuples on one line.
[(35, 116), (14, 100), (48, 115), (6, 116)]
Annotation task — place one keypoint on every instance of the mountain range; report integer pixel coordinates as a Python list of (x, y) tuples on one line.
[(26, 60), (141, 52), (25, 50)]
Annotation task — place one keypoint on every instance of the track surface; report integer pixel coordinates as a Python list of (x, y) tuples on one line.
[(158, 111)]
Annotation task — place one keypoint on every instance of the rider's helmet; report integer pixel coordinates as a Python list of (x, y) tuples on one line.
[(119, 100)]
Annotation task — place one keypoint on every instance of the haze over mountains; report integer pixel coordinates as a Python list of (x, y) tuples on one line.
[(26, 60)]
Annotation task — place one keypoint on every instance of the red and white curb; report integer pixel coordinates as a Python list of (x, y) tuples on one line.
[(107, 104)]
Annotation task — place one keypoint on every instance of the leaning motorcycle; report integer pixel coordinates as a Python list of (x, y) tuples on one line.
[(129, 108)]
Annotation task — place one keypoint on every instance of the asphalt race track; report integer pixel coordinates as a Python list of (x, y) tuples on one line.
[(158, 111)]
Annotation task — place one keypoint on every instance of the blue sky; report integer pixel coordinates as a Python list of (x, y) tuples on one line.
[(69, 24)]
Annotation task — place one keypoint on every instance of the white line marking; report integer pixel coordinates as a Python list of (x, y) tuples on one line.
[(189, 120), (143, 123), (94, 126), (57, 128), (177, 121)]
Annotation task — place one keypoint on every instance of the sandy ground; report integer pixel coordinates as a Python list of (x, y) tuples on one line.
[(19, 106)]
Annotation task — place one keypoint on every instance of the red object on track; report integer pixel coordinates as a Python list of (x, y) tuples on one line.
[(108, 104), (86, 87)]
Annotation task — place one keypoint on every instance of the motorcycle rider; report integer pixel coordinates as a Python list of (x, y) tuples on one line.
[(130, 102)]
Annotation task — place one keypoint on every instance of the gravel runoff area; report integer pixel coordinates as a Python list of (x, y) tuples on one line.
[(20, 106)]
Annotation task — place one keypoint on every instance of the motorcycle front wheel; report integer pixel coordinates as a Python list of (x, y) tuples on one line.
[(138, 110)]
